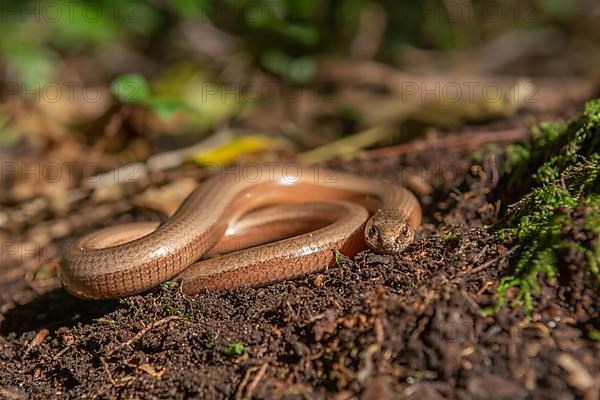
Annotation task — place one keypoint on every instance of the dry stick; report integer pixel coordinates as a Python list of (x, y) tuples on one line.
[(175, 158), (490, 262), (147, 329), (362, 73), (347, 145), (38, 339), (256, 380), (463, 141), (241, 387), (252, 386), (107, 371), (60, 353)]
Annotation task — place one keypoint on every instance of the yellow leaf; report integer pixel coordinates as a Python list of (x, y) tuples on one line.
[(231, 151)]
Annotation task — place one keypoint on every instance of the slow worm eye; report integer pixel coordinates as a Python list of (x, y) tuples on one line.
[(372, 231)]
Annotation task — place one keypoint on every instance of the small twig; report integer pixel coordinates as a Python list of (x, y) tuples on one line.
[(175, 158), (368, 366), (463, 141), (486, 285), (490, 262), (362, 73), (347, 145), (147, 329), (259, 375), (240, 390), (107, 371), (38, 339), (60, 353)]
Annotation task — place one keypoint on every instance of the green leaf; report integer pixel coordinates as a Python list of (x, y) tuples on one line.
[(7, 135), (301, 69), (131, 88), (236, 349), (306, 34), (78, 24), (165, 107), (34, 64), (192, 8), (294, 69)]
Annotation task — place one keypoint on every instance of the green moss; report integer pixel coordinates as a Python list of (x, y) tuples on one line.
[(168, 284), (594, 334), (339, 257), (450, 237), (171, 309), (565, 186), (235, 349)]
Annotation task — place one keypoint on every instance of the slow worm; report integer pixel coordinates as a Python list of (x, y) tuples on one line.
[(125, 260)]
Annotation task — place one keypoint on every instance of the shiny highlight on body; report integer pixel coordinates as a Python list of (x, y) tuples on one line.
[(231, 232)]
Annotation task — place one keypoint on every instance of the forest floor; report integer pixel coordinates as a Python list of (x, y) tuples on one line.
[(415, 325)]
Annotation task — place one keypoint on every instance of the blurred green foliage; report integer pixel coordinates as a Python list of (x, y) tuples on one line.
[(281, 35), (133, 88)]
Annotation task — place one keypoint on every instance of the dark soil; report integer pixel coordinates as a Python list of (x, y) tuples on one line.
[(375, 327)]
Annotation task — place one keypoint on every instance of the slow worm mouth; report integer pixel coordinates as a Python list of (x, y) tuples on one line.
[(288, 228)]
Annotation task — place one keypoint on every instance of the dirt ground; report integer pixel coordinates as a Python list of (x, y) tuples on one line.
[(409, 326)]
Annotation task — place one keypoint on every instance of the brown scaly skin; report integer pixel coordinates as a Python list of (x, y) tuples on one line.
[(98, 266)]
